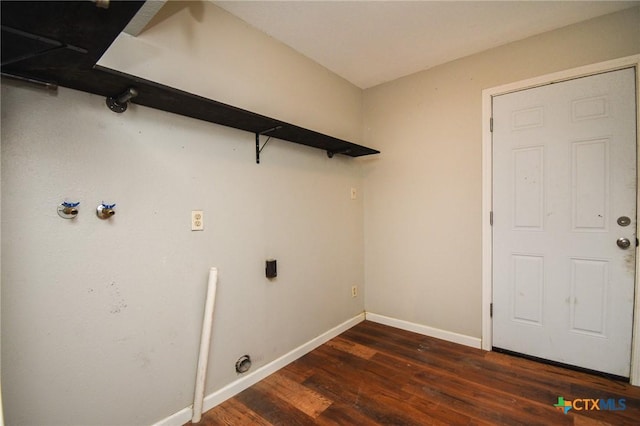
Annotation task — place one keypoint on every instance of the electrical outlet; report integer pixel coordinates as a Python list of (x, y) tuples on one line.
[(197, 220), (354, 291), (354, 193)]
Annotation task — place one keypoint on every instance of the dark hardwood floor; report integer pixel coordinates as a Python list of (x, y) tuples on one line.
[(378, 375)]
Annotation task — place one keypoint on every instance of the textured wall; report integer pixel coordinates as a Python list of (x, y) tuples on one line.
[(101, 319)]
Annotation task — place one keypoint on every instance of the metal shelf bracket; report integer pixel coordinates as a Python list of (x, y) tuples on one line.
[(258, 148), (330, 154)]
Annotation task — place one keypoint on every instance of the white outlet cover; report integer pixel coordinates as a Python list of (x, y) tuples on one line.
[(197, 220)]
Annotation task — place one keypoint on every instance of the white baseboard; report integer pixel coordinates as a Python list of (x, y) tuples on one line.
[(450, 336), (177, 419), (183, 416)]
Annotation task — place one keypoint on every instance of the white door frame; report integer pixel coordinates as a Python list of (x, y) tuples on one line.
[(487, 201)]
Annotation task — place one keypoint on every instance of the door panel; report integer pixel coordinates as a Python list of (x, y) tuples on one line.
[(590, 185), (528, 288), (528, 190), (564, 158), (589, 286)]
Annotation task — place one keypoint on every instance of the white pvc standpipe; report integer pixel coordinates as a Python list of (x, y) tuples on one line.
[(205, 342)]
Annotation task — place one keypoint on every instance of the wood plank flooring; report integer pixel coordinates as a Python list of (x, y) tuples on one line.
[(378, 375)]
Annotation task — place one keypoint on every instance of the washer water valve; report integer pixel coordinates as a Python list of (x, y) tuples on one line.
[(105, 211), (68, 210)]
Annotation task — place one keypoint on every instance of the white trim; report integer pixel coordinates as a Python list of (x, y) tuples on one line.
[(635, 340), (449, 336), (180, 418), (487, 167), (487, 207), (183, 416)]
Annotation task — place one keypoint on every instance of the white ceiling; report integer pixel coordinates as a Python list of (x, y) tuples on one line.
[(371, 42)]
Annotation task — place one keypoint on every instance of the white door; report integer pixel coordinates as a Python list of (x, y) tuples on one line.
[(564, 192)]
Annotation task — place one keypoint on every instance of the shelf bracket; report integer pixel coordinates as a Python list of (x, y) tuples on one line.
[(330, 154), (258, 148)]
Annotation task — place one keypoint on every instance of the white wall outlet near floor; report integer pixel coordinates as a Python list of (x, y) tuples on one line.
[(197, 220), (354, 193), (354, 291)]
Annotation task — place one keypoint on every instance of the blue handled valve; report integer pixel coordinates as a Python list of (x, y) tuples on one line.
[(68, 210), (105, 211)]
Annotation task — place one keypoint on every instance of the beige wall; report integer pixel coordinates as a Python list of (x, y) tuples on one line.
[(423, 193), (198, 47), (101, 320)]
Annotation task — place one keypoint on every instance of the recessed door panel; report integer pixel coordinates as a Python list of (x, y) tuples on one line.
[(589, 283), (528, 188), (528, 279), (527, 118), (590, 185), (589, 109)]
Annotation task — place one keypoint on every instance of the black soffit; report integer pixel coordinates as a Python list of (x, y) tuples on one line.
[(58, 43)]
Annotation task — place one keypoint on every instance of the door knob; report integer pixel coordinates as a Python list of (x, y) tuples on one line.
[(623, 243)]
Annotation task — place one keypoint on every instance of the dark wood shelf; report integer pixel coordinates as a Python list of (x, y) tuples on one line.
[(59, 43)]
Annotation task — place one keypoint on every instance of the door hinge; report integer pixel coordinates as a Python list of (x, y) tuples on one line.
[(491, 124), (491, 310), (491, 218)]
